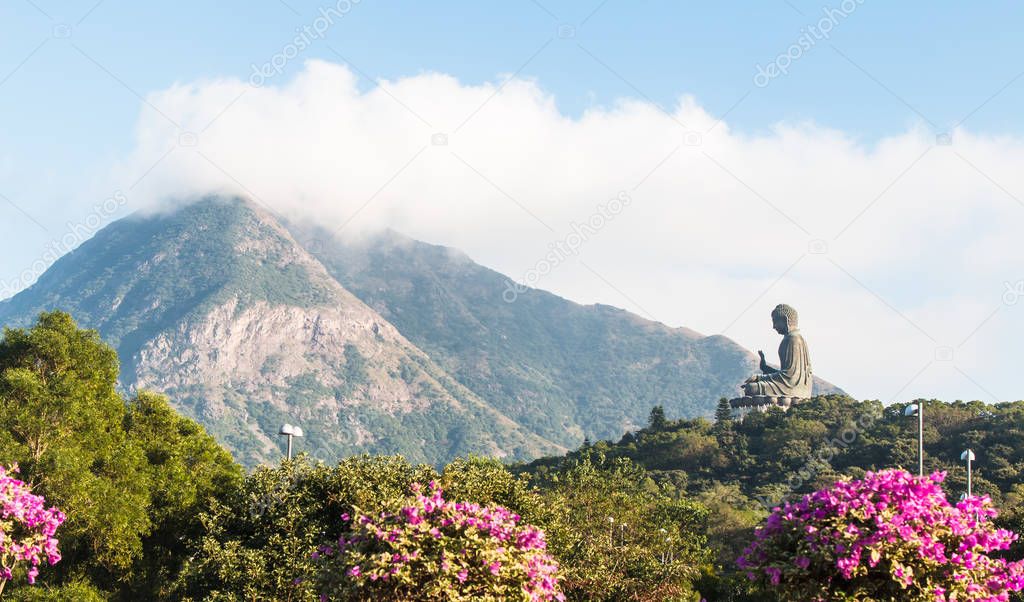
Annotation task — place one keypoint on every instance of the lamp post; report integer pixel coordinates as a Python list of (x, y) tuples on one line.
[(290, 431), (968, 456), (918, 408)]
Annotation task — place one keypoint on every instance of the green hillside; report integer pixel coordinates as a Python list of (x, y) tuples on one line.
[(769, 455), (562, 369)]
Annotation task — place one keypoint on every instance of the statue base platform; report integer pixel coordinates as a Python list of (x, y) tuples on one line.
[(761, 403)]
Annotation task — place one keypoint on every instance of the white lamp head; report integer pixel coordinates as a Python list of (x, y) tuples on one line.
[(967, 455), (288, 429), (911, 410)]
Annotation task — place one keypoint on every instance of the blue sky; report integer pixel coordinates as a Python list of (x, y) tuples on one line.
[(61, 110), (73, 76)]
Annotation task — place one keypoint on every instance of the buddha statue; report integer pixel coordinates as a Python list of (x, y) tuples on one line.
[(793, 378)]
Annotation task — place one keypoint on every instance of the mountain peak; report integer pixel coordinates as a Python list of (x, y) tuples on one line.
[(216, 305)]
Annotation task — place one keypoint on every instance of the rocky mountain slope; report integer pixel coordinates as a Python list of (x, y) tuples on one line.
[(218, 307)]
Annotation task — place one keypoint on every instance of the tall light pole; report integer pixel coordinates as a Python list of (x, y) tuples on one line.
[(968, 456), (918, 408), (290, 431)]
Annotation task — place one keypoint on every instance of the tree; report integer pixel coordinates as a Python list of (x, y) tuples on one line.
[(735, 516), (616, 539), (488, 481), (657, 421), (78, 590), (723, 414), (132, 477), (63, 422), (187, 470)]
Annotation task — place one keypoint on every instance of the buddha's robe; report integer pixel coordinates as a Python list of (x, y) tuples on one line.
[(794, 378)]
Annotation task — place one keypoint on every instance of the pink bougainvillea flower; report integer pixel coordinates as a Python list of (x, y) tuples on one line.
[(27, 528), (434, 549), (889, 529)]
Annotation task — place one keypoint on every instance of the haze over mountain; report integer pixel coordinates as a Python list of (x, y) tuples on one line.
[(382, 345)]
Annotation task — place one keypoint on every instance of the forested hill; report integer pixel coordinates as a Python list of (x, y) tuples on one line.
[(766, 456)]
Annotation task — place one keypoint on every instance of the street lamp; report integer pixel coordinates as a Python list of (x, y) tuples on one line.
[(918, 408), (290, 431), (968, 456)]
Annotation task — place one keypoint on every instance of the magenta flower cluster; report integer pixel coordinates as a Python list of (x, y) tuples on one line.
[(434, 549), (889, 535), (27, 528)]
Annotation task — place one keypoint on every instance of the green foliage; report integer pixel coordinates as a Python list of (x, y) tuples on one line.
[(186, 469), (488, 481), (619, 536), (62, 422), (156, 509), (656, 421), (260, 538), (75, 591), (130, 476), (723, 413), (732, 516), (355, 368)]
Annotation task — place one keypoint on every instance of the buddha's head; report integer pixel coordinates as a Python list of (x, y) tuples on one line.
[(784, 318)]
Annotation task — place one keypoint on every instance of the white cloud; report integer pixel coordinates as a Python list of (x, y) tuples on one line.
[(920, 237)]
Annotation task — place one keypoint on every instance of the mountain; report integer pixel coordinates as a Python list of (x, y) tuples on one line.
[(382, 345), (216, 306), (561, 369)]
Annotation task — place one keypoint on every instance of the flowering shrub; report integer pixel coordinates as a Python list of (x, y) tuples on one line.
[(435, 549), (888, 536), (26, 528)]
